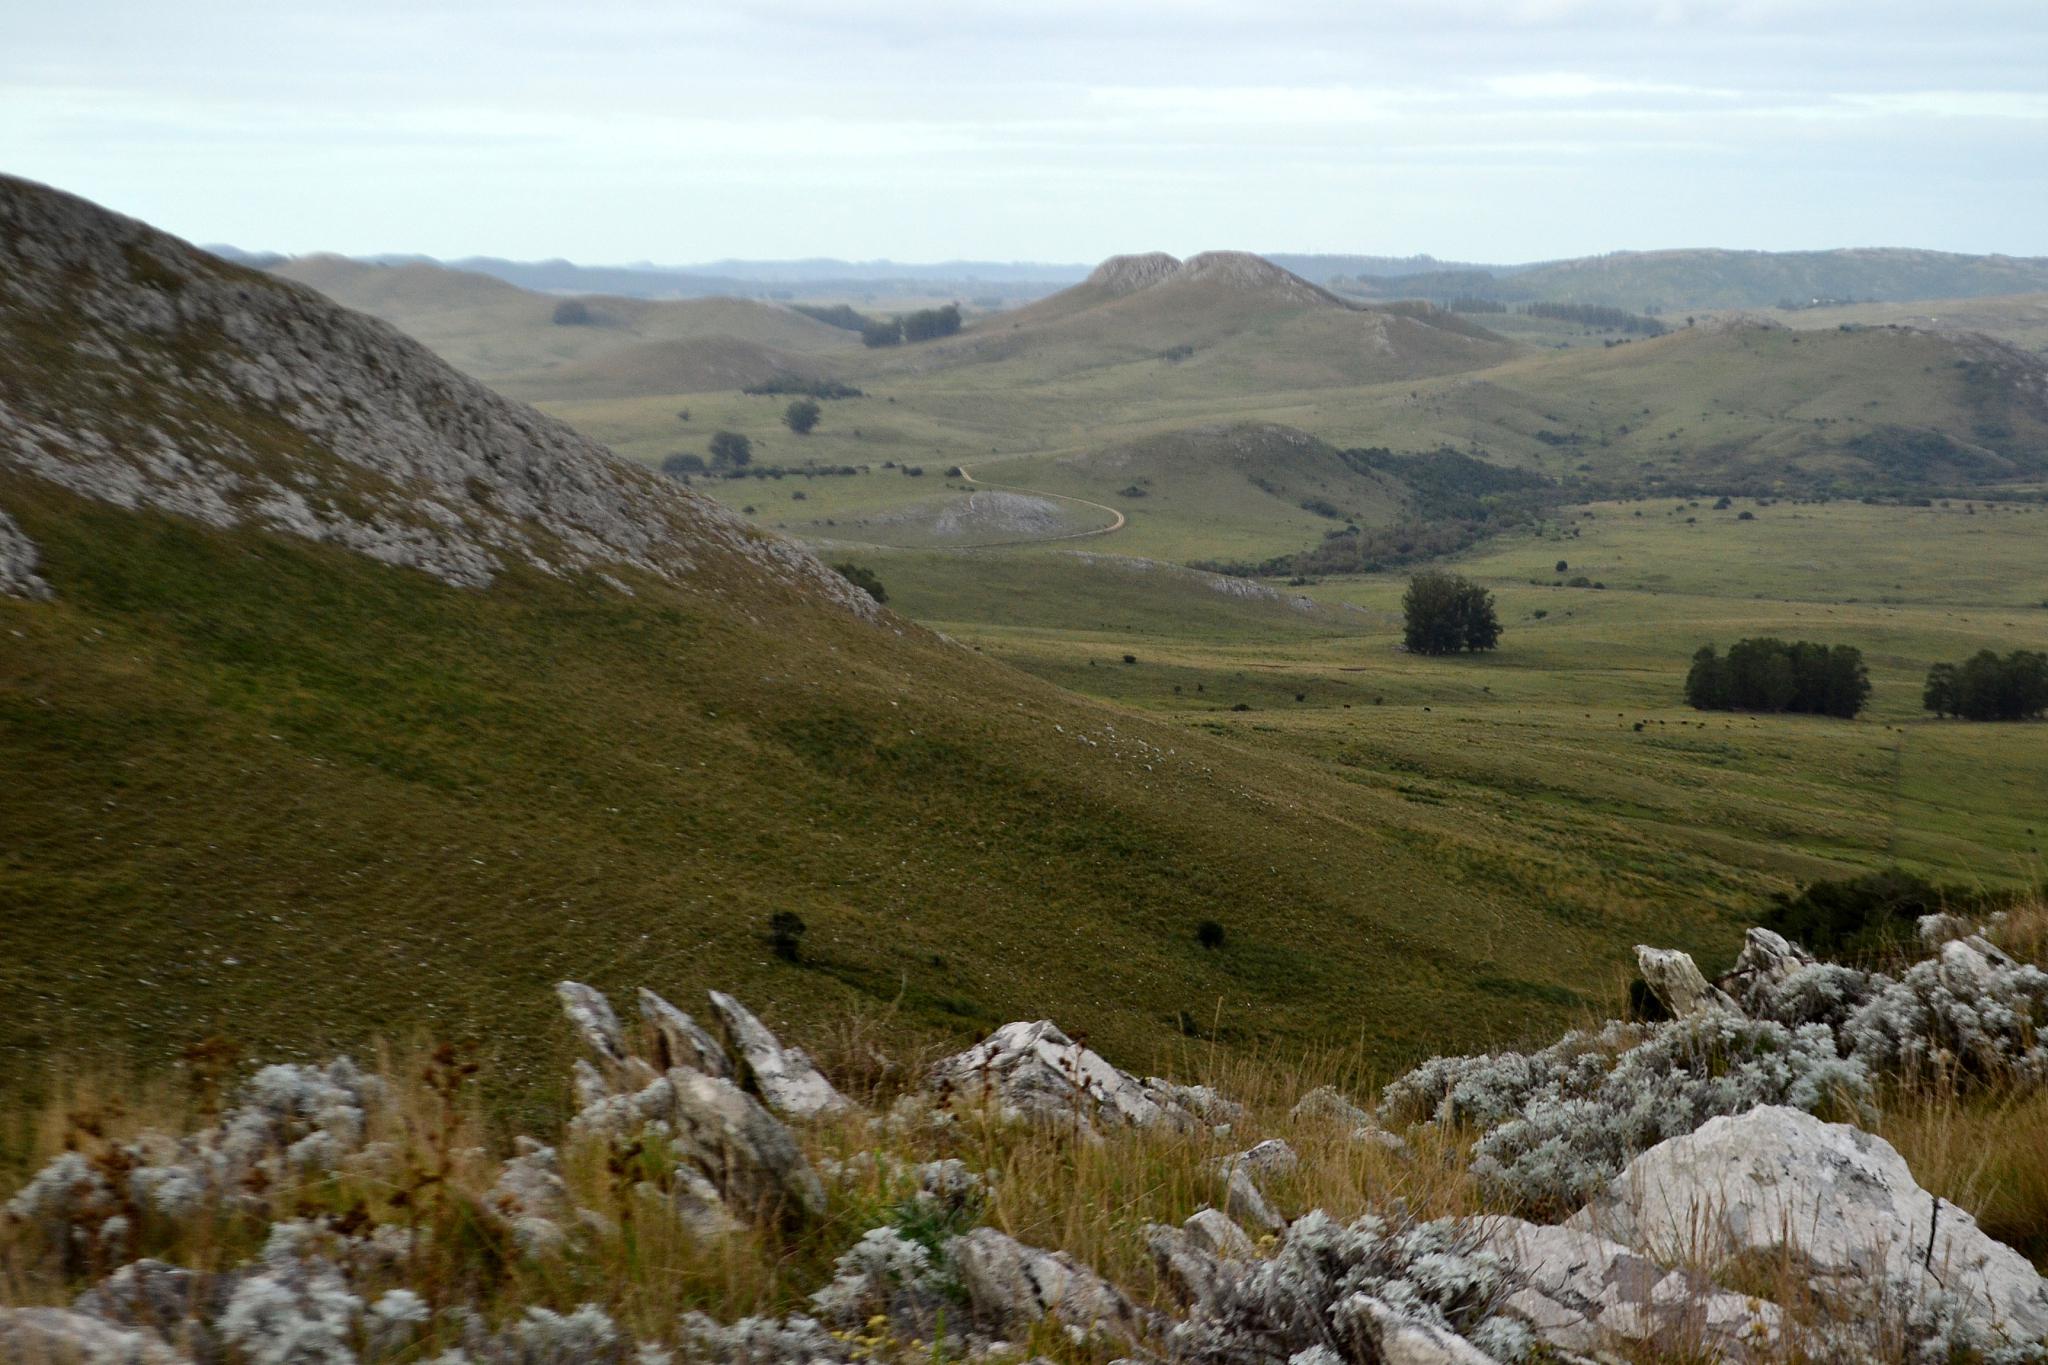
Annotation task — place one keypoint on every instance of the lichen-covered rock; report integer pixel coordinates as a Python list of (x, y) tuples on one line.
[(18, 560), (596, 1024), (1435, 1277), (1580, 1292), (1034, 1071), (1010, 1286), (532, 1200), (782, 1076), (1326, 1104), (681, 1040), (63, 1336), (1676, 980), (1840, 1202)]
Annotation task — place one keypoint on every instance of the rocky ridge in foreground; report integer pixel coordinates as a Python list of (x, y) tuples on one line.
[(1881, 1268)]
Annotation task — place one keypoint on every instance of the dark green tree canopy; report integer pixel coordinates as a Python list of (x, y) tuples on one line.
[(1770, 675), (1444, 613), (731, 448), (801, 415), (1986, 687)]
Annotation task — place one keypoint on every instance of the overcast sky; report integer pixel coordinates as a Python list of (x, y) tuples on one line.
[(687, 130)]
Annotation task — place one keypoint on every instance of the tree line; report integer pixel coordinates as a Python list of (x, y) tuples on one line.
[(1771, 675), (926, 324), (1986, 687)]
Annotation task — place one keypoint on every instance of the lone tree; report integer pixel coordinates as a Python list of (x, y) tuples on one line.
[(786, 929), (1446, 612), (801, 416), (731, 448)]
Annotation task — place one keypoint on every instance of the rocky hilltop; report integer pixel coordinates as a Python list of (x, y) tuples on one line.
[(139, 371), (1237, 270)]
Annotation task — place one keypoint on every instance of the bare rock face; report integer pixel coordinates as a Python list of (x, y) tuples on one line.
[(1245, 271), (1034, 1071), (195, 387), (18, 559), (1010, 1286), (1579, 1292), (782, 1076), (1675, 979), (1839, 1200)]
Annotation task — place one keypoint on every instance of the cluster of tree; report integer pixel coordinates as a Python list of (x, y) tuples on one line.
[(1986, 687), (837, 315), (1770, 675), (1472, 303), (803, 471), (574, 313), (863, 578), (1443, 613), (802, 388), (802, 415), (1594, 315), (926, 324)]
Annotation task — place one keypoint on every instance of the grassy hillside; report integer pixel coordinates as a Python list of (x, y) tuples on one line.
[(260, 781), (495, 331), (2021, 319), (1677, 281)]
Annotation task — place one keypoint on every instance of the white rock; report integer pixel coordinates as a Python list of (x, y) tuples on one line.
[(18, 559), (1675, 979), (59, 1336), (1578, 1291), (783, 1077), (1034, 1071), (1010, 1286), (595, 1023), (1326, 1104), (682, 1040), (1841, 1199), (1244, 1201), (1401, 1340)]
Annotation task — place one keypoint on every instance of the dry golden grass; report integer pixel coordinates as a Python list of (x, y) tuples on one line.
[(1090, 1196)]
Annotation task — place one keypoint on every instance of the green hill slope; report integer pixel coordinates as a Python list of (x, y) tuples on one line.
[(365, 702), (497, 331)]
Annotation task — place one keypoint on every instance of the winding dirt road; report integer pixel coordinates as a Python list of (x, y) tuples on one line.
[(1116, 524)]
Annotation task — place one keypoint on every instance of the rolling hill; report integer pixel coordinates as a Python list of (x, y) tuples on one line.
[(1676, 281), (1221, 309), (344, 697), (513, 338)]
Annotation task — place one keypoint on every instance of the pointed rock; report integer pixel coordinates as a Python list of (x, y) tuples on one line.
[(683, 1041), (1675, 979), (1034, 1071), (592, 1015), (783, 1077)]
